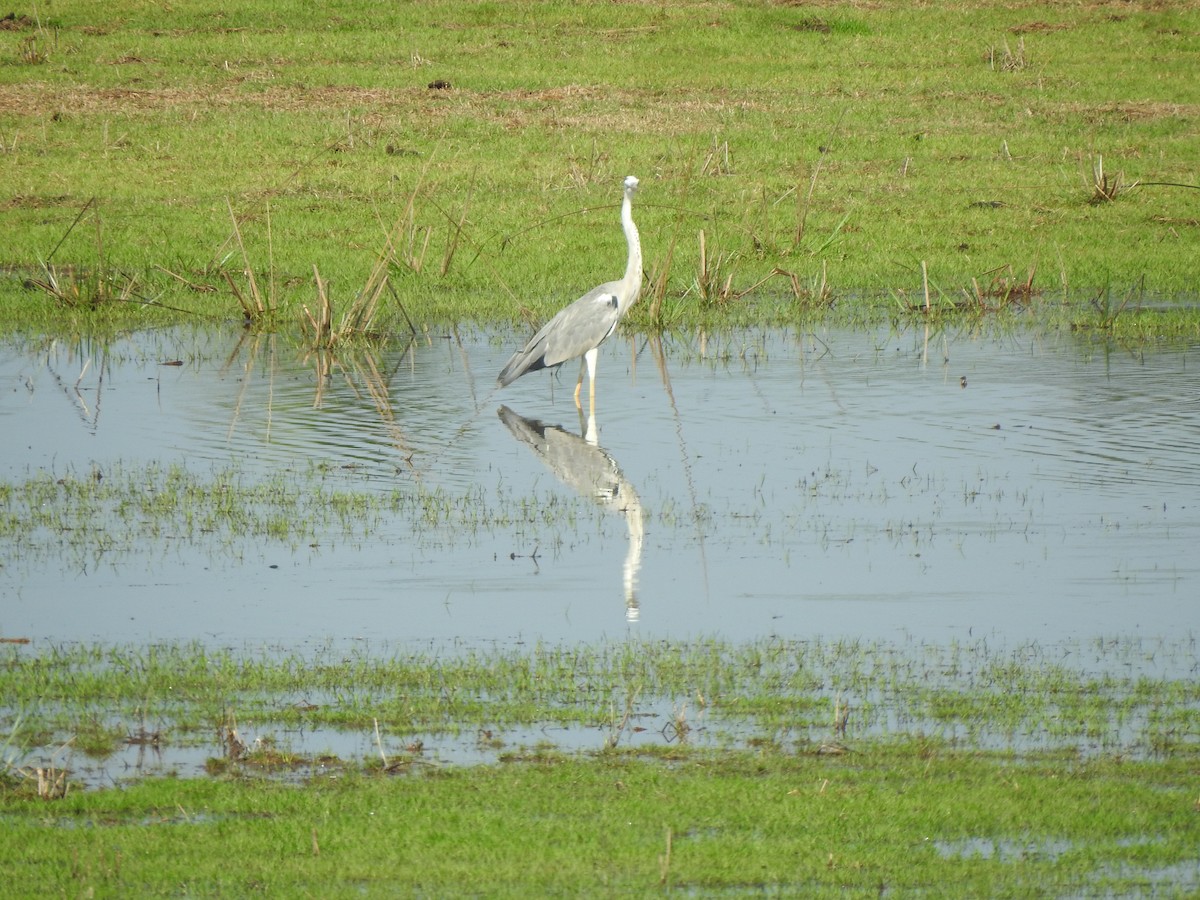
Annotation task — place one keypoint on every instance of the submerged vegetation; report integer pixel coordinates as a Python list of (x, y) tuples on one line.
[(793, 695), (119, 511), (796, 766)]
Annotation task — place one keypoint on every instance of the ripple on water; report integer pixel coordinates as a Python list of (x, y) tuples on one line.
[(841, 483)]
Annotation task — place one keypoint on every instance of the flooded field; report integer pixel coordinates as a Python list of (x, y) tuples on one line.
[(878, 485)]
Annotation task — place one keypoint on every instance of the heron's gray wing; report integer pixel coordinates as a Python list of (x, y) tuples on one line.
[(572, 332), (582, 325)]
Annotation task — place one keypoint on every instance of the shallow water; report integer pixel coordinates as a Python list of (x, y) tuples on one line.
[(877, 485)]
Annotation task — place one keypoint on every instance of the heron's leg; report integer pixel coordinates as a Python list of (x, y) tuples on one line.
[(591, 357), (579, 383)]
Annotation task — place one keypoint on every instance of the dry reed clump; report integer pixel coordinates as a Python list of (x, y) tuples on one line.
[(75, 287), (708, 276), (255, 304), (323, 328), (229, 739), (50, 780), (78, 287), (1106, 189), (356, 320), (1007, 59), (359, 317), (1003, 290)]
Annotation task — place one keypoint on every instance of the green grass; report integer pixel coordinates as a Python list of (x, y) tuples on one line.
[(959, 769), (903, 819), (816, 141)]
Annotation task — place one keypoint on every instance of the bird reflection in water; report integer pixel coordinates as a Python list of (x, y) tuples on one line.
[(582, 464)]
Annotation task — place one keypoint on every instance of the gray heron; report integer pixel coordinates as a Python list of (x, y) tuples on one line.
[(580, 329)]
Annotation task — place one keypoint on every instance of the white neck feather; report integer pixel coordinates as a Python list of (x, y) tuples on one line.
[(631, 284)]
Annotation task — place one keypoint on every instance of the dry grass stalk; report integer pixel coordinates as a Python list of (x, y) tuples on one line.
[(708, 277), (413, 257), (841, 716), (187, 282), (75, 288), (361, 315), (227, 736), (818, 293), (320, 324), (717, 162), (1008, 61), (664, 861), (1003, 290), (256, 306), (416, 239), (456, 231), (660, 277), (803, 203), (1104, 189)]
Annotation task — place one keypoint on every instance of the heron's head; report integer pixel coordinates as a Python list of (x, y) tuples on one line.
[(631, 184)]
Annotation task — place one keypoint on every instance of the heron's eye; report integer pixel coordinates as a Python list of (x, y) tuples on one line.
[(612, 300)]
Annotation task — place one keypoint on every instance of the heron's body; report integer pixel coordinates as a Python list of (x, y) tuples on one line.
[(579, 329)]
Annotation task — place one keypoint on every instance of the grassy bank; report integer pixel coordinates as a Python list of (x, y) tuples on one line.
[(980, 154), (796, 767), (896, 821)]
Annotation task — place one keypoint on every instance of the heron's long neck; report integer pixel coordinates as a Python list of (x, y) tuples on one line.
[(631, 284)]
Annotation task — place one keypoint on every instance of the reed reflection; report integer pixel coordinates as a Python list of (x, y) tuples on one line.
[(344, 410), (581, 463)]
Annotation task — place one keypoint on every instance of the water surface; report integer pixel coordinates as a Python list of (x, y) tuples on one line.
[(892, 485)]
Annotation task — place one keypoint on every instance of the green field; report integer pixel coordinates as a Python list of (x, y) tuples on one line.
[(986, 154)]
